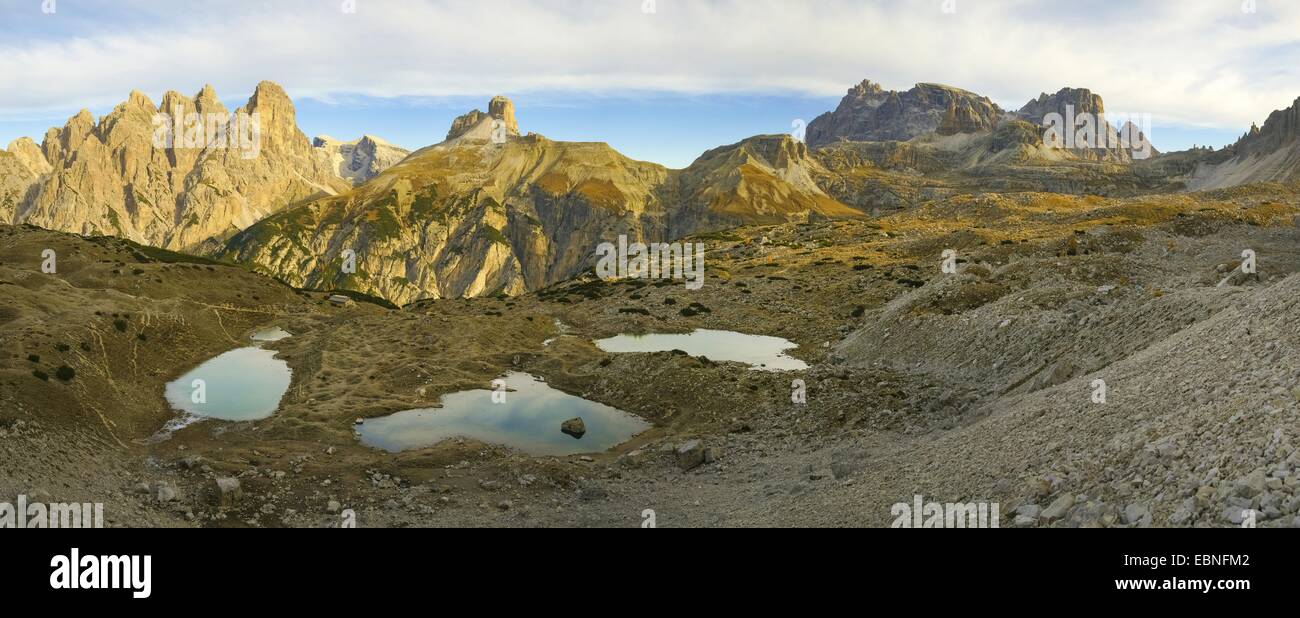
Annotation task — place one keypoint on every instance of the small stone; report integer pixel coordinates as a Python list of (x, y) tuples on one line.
[(1029, 510), (634, 459), (165, 491), (1058, 508), (1135, 513), (228, 492), (690, 455), (333, 507)]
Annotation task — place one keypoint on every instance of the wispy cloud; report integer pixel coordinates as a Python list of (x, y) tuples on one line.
[(1195, 62)]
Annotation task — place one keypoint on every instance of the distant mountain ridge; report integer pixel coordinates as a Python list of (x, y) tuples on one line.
[(361, 159), (1263, 154), (489, 211), (869, 113), (492, 211)]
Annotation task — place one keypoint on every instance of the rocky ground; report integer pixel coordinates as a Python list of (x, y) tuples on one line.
[(974, 386)]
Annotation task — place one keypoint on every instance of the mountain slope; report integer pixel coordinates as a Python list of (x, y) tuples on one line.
[(488, 212), (1268, 154)]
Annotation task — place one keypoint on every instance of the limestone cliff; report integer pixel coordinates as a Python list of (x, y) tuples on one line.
[(184, 174), (361, 159), (869, 113)]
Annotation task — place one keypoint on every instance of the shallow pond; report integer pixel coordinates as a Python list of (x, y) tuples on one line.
[(529, 420), (273, 333), (758, 351), (241, 385)]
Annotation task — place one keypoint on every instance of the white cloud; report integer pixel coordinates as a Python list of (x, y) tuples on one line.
[(1197, 62)]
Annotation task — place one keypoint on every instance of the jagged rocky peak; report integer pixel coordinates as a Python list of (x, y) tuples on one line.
[(1080, 100), (360, 159), (502, 109), (1282, 128), (207, 181), (477, 125), (30, 156), (1070, 110), (869, 113), (277, 118)]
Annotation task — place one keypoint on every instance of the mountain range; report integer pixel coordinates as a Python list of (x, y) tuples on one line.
[(491, 210)]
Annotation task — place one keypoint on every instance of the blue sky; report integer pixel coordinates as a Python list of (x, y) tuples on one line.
[(661, 85)]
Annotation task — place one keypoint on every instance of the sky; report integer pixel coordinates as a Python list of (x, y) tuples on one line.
[(660, 80)]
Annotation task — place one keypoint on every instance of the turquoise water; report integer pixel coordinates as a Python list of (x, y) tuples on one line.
[(241, 385), (529, 421), (758, 351)]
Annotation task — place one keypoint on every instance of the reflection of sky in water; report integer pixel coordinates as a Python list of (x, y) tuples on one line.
[(757, 351), (242, 385), (274, 333), (529, 421)]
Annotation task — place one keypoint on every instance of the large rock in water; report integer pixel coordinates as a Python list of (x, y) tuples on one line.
[(574, 427), (869, 113)]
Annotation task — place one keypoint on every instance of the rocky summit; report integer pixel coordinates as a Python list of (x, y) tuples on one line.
[(361, 159), (869, 113)]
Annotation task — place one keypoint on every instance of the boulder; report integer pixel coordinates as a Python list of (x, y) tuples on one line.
[(228, 492), (690, 455), (574, 427)]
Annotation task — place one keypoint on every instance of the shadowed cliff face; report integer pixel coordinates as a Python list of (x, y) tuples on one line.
[(487, 212), (361, 159), (1268, 154), (869, 113)]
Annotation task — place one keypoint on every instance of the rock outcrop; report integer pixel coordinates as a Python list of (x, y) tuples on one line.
[(1072, 110), (361, 159), (17, 178), (499, 109), (869, 113), (1263, 154), (184, 174)]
